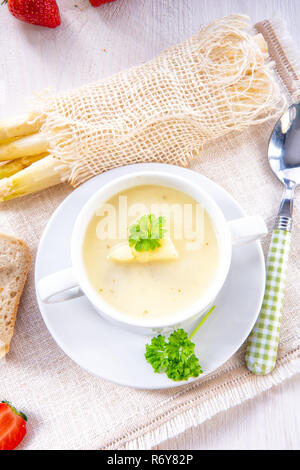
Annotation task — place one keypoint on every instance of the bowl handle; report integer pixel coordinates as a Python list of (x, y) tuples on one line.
[(59, 286), (247, 230)]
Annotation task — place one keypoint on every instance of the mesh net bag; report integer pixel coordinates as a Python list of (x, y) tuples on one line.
[(165, 110)]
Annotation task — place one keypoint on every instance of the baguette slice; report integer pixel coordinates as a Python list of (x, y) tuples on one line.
[(14, 266)]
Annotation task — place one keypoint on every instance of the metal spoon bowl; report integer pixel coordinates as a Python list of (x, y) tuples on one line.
[(284, 158), (284, 146)]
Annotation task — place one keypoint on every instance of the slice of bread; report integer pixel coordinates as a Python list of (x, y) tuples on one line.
[(14, 266)]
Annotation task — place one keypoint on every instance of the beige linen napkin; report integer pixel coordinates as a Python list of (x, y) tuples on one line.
[(70, 409)]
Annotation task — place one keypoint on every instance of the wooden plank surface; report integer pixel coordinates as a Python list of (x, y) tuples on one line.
[(93, 43), (270, 421)]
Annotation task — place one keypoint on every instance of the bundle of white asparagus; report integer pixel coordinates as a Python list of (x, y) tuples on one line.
[(26, 164), (165, 111)]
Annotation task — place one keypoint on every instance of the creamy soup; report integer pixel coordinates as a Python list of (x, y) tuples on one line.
[(157, 288)]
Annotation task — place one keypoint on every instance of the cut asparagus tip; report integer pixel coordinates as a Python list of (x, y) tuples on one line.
[(24, 147), (40, 175), (11, 168), (19, 126)]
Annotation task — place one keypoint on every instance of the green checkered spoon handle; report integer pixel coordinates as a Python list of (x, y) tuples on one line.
[(263, 342)]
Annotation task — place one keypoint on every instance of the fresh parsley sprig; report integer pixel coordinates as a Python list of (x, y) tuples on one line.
[(147, 233), (175, 356)]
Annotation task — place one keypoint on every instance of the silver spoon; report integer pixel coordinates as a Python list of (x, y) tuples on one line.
[(284, 158)]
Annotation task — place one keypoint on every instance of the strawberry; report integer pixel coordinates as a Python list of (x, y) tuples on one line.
[(97, 3), (12, 426), (38, 12)]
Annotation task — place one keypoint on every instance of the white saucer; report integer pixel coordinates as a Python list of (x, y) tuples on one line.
[(117, 355)]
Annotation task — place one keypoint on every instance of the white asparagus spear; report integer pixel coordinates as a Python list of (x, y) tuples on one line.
[(42, 174), (25, 146), (19, 126), (10, 168)]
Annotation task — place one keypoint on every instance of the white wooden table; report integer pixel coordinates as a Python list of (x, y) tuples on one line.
[(93, 43)]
